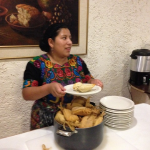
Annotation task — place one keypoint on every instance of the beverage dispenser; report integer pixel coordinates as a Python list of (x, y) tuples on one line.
[(140, 67)]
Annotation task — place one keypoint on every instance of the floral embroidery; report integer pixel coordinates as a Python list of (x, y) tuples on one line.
[(79, 68), (63, 83), (34, 83), (72, 62), (67, 64), (56, 66), (29, 83), (87, 78), (32, 60), (26, 83), (48, 80), (78, 80), (42, 65), (70, 82), (60, 72), (42, 59), (76, 72), (79, 61), (51, 74), (37, 63), (67, 71), (48, 64)]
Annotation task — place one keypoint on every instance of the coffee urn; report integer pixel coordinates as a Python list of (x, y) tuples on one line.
[(140, 67)]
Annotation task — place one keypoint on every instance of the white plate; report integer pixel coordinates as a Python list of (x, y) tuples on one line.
[(118, 118), (117, 121), (94, 90), (121, 110), (120, 114), (118, 126), (117, 102), (116, 111)]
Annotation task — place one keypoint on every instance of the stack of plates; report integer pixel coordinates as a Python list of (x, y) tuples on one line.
[(119, 111)]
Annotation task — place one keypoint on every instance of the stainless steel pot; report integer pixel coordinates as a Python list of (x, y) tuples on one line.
[(80, 139)]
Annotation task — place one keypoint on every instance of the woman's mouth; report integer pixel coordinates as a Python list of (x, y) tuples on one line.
[(68, 49)]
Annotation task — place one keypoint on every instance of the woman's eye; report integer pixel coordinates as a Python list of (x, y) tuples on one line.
[(64, 38)]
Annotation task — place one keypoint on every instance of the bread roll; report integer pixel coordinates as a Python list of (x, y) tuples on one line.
[(13, 19), (28, 16)]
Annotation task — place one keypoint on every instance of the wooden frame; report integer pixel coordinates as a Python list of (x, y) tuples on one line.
[(23, 51)]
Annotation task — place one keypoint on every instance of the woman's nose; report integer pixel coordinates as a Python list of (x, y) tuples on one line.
[(69, 41)]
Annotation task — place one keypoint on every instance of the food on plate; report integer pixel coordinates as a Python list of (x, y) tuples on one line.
[(79, 116), (85, 87), (13, 19), (80, 87), (44, 147), (28, 16), (76, 86)]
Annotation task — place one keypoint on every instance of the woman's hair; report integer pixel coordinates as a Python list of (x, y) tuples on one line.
[(51, 32)]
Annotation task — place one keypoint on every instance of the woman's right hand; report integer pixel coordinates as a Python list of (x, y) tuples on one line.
[(56, 89)]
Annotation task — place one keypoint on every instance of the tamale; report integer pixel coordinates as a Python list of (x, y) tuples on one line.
[(81, 111)]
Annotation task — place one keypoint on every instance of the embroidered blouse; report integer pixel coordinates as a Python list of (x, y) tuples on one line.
[(40, 70)]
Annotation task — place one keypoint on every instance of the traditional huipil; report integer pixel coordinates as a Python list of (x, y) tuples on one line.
[(39, 71)]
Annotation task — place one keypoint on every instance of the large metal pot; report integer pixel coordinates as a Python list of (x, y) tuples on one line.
[(80, 139)]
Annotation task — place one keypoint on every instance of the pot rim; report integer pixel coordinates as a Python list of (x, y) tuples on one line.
[(78, 128)]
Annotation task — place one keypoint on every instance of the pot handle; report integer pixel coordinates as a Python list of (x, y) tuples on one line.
[(65, 133)]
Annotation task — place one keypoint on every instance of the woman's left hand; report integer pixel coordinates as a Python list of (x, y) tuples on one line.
[(96, 82)]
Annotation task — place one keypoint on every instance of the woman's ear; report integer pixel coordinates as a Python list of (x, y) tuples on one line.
[(51, 42)]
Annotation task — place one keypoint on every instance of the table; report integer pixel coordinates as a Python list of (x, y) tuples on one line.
[(136, 137)]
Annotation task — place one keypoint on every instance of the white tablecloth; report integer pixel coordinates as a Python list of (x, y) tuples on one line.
[(139, 133), (137, 137)]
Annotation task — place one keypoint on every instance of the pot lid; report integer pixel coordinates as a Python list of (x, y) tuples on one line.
[(140, 52)]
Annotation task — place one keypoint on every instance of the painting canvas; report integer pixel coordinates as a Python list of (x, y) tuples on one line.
[(15, 31), (24, 21)]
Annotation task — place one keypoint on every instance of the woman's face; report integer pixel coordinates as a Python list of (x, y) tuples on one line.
[(62, 44)]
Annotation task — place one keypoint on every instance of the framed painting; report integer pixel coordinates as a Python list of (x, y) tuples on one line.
[(19, 36)]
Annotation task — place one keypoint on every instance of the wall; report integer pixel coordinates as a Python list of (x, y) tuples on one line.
[(116, 28)]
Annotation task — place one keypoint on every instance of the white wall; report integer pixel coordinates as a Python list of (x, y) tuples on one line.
[(116, 28)]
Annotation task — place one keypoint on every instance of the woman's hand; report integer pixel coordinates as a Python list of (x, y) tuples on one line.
[(96, 82), (56, 89)]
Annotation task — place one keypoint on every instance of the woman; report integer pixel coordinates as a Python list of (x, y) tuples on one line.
[(46, 75)]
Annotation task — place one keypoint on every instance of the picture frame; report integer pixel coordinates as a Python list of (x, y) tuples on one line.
[(29, 51)]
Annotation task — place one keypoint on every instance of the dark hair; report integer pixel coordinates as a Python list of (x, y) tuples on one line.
[(51, 32)]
